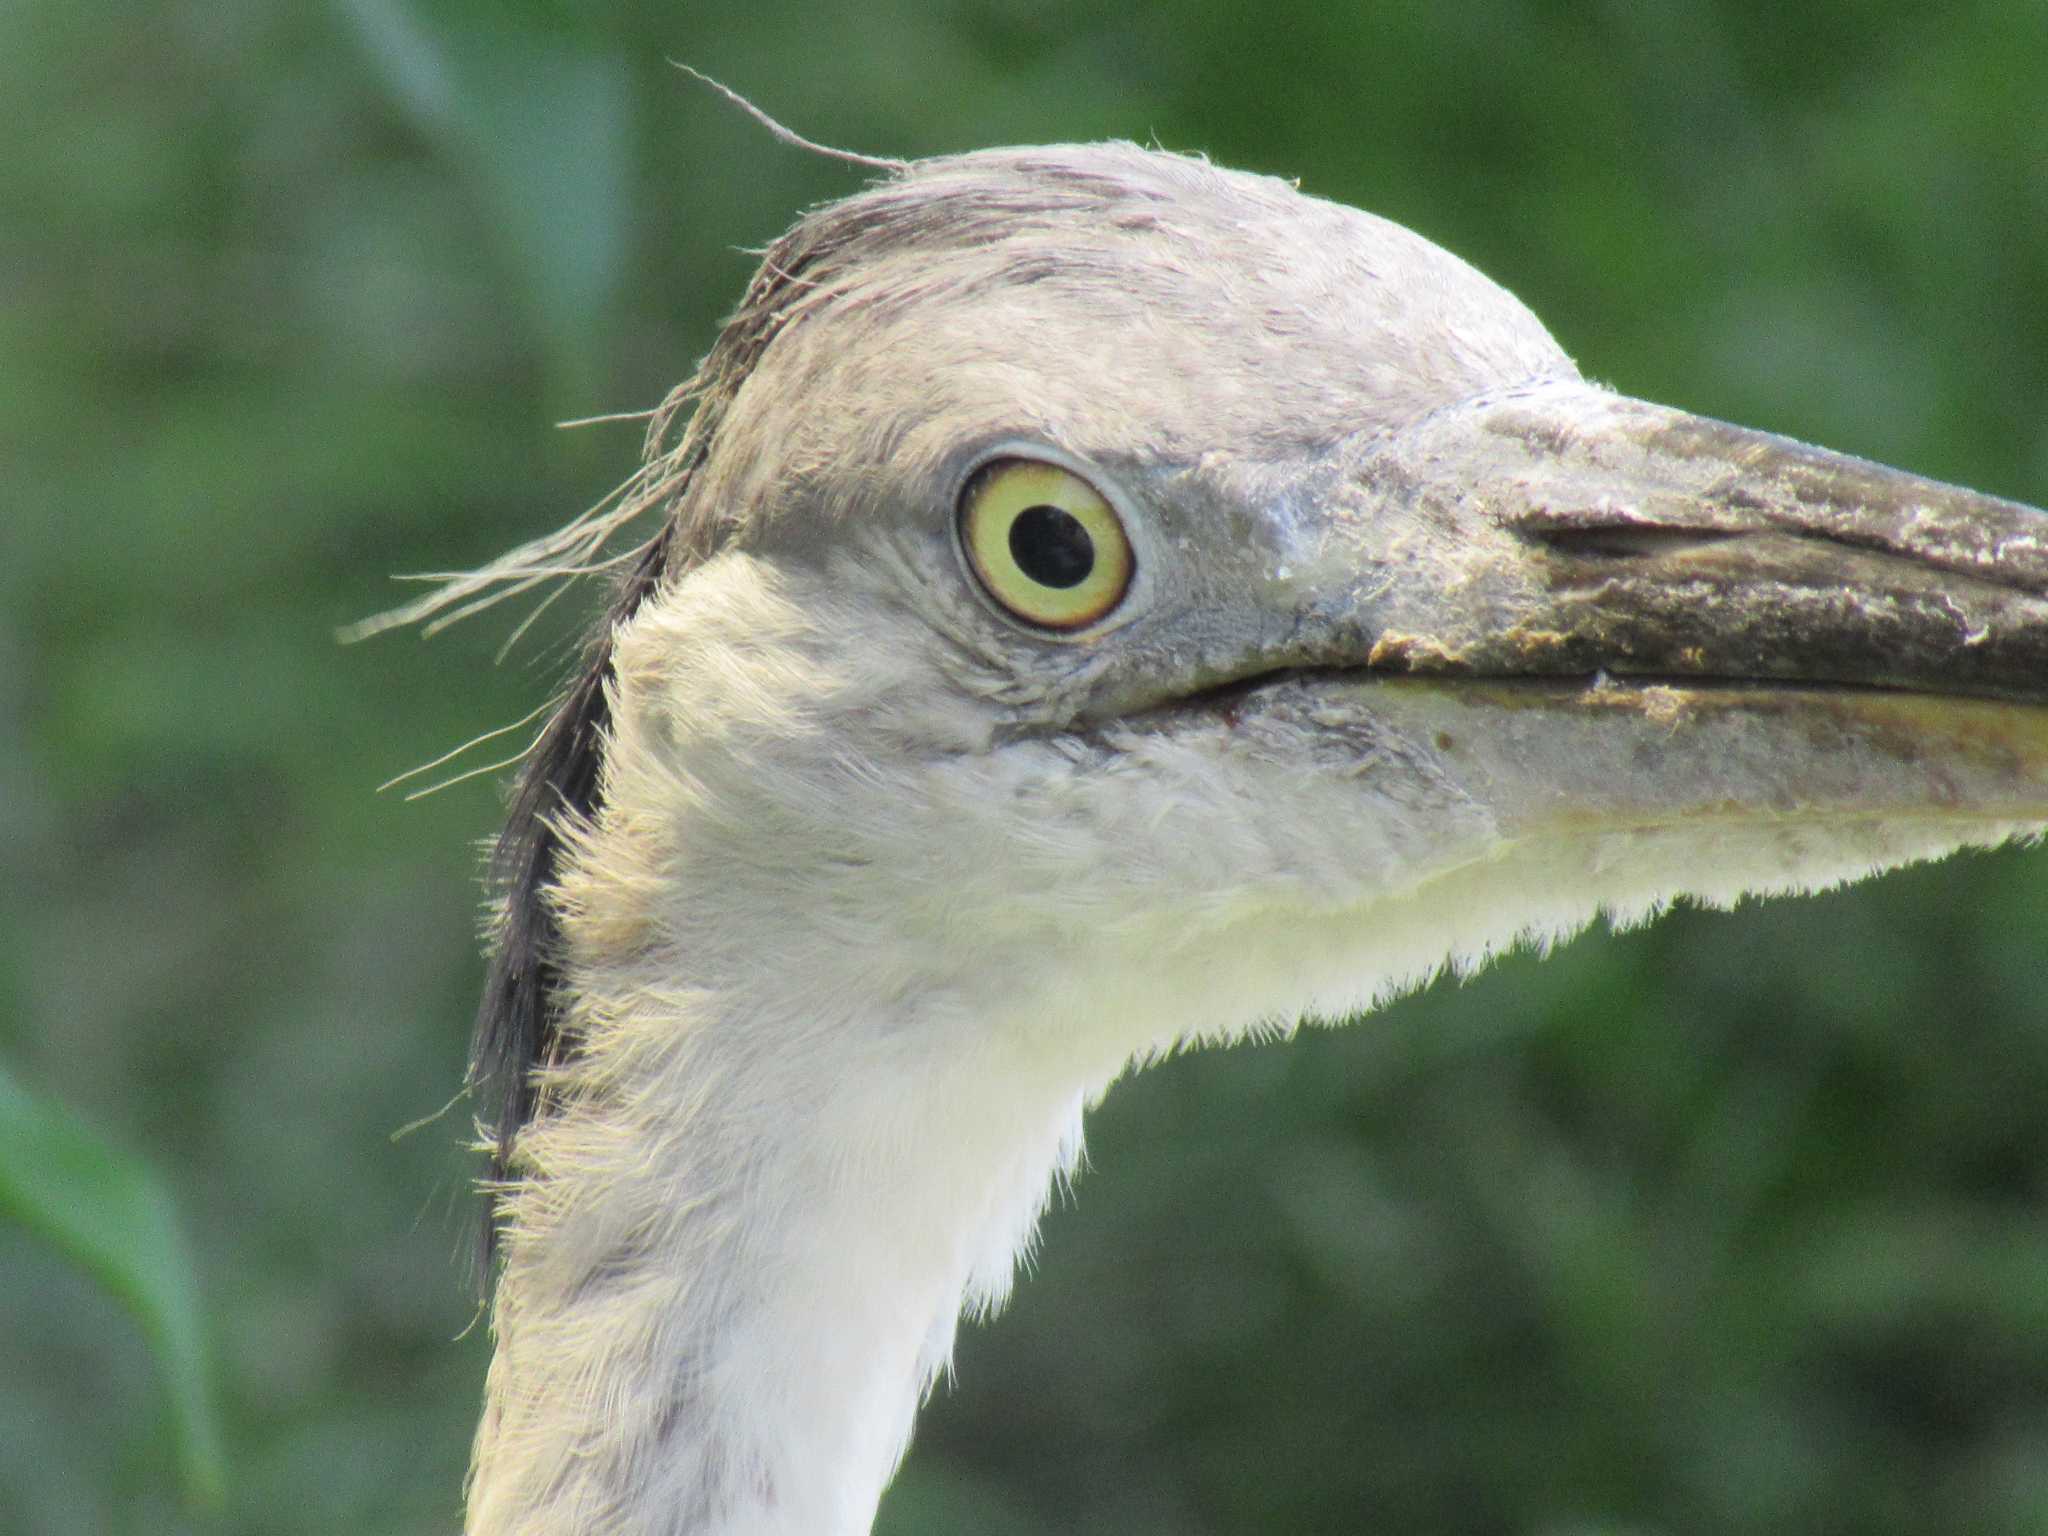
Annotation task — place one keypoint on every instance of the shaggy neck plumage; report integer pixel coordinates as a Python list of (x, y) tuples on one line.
[(726, 1285), (777, 1160)]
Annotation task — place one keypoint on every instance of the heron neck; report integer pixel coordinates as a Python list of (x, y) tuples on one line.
[(731, 1274)]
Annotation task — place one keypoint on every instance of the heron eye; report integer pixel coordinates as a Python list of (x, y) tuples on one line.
[(1044, 543)]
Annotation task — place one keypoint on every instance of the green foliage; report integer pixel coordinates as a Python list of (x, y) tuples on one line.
[(112, 1215), (547, 158), (1730, 1225)]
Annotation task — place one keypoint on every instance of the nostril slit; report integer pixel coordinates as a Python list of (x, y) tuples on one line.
[(1636, 542)]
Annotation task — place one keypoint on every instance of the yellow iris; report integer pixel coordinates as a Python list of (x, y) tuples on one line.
[(1045, 543)]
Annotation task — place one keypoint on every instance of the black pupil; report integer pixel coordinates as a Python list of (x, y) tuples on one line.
[(1051, 547)]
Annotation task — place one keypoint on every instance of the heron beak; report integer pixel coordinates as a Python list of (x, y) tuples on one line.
[(1604, 612), (1632, 540)]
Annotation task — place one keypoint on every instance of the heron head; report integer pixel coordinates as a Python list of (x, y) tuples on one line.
[(1183, 601)]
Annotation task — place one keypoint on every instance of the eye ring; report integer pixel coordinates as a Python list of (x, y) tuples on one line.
[(1045, 545)]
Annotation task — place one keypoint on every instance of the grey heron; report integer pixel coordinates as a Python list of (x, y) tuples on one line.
[(1101, 602)]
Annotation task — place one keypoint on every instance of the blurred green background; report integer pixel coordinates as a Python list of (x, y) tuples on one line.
[(1731, 1225)]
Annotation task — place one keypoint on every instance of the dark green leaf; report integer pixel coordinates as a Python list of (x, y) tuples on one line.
[(111, 1214)]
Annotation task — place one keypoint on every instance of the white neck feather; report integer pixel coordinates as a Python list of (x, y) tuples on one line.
[(721, 1322)]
